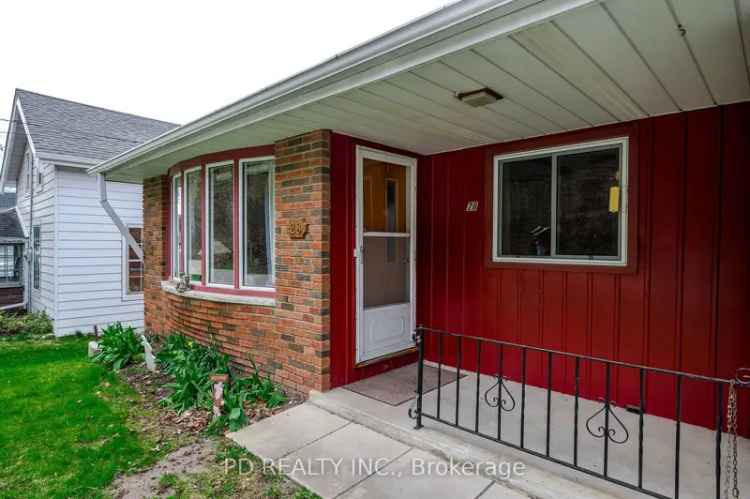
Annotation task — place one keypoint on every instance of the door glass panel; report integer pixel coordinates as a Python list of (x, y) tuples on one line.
[(385, 201), (386, 271), (386, 254)]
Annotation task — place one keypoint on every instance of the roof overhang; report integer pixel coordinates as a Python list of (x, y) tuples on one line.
[(560, 64), (16, 140)]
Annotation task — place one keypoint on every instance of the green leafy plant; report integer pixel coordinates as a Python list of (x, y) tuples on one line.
[(192, 364), (25, 325), (119, 346)]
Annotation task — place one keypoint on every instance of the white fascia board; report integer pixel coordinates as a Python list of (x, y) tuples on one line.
[(9, 144), (514, 15), (67, 160), (22, 119)]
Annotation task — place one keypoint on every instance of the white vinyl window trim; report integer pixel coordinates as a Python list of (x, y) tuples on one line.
[(175, 225), (209, 226), (126, 293), (27, 174), (36, 264), (185, 228), (253, 169), (622, 261)]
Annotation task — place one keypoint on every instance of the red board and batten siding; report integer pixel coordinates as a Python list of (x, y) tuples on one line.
[(684, 305)]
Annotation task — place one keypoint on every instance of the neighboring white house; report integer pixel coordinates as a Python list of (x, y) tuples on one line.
[(80, 271)]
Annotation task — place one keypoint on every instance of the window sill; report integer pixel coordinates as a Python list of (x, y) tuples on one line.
[(132, 297), (171, 287), (564, 266), (14, 284)]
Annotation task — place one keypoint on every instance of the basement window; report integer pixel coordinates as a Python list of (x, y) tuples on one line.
[(562, 205)]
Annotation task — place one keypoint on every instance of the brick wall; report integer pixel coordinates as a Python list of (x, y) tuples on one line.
[(303, 277), (289, 341)]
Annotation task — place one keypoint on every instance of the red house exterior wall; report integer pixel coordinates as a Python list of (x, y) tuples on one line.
[(683, 303), (686, 305)]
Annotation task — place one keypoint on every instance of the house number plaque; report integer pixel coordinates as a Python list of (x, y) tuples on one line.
[(297, 229)]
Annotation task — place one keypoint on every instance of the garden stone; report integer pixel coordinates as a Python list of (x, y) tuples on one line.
[(94, 349), (148, 354)]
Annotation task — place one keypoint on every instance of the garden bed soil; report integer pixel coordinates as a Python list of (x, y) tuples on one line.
[(195, 466)]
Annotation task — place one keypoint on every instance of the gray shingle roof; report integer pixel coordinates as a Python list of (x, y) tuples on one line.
[(10, 226), (59, 126), (7, 200)]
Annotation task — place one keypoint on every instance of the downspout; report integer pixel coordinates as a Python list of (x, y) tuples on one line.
[(102, 183), (30, 251)]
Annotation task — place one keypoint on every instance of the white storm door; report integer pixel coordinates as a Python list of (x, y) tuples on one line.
[(385, 253)]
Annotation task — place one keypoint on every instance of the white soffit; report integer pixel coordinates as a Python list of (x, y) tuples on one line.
[(599, 63)]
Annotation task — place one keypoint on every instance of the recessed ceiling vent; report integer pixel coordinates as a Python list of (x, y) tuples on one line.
[(478, 98)]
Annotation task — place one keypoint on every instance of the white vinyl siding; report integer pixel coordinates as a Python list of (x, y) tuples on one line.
[(89, 256), (42, 299)]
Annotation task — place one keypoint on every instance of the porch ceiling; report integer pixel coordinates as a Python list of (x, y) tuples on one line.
[(581, 65)]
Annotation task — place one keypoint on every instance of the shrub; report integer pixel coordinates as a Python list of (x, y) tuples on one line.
[(25, 324), (119, 346), (192, 364), (252, 389)]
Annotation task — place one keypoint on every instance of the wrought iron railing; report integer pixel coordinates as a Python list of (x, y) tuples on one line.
[(612, 430)]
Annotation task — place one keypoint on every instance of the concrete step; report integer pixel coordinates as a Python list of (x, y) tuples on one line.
[(534, 482)]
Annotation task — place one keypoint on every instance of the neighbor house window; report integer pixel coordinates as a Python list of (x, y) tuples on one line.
[(11, 257), (193, 232), (176, 224), (37, 256), (257, 223), (220, 224), (132, 264), (562, 205)]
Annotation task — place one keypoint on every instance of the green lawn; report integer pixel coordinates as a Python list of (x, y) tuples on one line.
[(62, 422)]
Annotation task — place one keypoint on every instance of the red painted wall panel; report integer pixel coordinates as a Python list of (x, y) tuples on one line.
[(684, 305)]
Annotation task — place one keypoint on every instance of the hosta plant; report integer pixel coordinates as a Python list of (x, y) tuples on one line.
[(119, 346)]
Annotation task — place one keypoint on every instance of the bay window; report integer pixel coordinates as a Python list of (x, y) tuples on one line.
[(222, 225), (562, 205), (176, 236), (257, 228), (193, 228)]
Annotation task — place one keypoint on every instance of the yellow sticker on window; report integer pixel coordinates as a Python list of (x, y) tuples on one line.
[(614, 199)]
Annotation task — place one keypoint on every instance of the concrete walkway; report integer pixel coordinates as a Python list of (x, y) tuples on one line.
[(335, 457)]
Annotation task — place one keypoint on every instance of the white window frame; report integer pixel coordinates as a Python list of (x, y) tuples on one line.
[(126, 293), (186, 260), (498, 161), (271, 169), (209, 226), (36, 266), (27, 177), (13, 247), (39, 177), (174, 246)]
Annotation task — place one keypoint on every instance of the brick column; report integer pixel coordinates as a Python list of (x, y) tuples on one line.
[(303, 276), (155, 226)]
